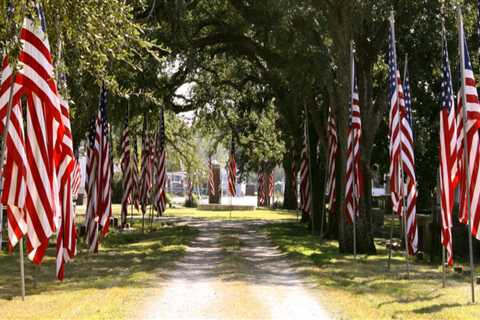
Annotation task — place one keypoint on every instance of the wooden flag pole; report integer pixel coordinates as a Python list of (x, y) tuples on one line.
[(401, 180), (461, 39), (444, 280)]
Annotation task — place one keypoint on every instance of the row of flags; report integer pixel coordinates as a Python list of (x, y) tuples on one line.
[(459, 146), (459, 149), (40, 167), (150, 187)]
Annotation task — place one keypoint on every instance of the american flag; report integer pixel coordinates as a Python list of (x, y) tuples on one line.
[(232, 171), (44, 135), (127, 172), (305, 199), (135, 177), (332, 156), (211, 181), (104, 175), (261, 189), (67, 233), (145, 178), (353, 187), (91, 223), (469, 126), (408, 160), (448, 153), (76, 179), (395, 95), (161, 169), (271, 184), (16, 165)]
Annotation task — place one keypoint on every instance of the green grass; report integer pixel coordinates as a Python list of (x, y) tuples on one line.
[(258, 214), (110, 285), (367, 290)]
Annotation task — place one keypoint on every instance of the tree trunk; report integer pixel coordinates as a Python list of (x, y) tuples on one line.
[(290, 188)]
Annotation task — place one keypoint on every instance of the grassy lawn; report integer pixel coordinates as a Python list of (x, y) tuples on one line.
[(109, 285), (367, 290), (258, 214)]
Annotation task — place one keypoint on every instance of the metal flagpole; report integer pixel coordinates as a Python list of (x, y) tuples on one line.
[(310, 191), (352, 88), (461, 39), (401, 182)]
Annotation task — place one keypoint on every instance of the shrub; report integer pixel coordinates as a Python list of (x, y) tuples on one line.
[(191, 203)]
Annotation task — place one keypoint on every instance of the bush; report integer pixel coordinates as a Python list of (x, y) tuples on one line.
[(191, 203), (277, 205), (168, 200)]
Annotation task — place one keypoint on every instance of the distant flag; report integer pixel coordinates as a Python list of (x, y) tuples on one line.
[(232, 171), (353, 173), (145, 178), (448, 153), (77, 178), (127, 172), (473, 146), (408, 160), (261, 189), (104, 176), (332, 156), (271, 184), (91, 222), (161, 167), (211, 181), (305, 200), (135, 177)]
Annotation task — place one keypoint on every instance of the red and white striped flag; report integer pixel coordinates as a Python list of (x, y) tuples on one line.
[(470, 126), (14, 171), (402, 160), (76, 180), (271, 184), (43, 138), (408, 160), (91, 222), (261, 189), (135, 177), (161, 168), (104, 175), (127, 173), (211, 181), (232, 171), (305, 199), (353, 173), (448, 174), (145, 184), (67, 233), (332, 156)]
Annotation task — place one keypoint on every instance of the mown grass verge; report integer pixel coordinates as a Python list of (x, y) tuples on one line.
[(110, 285), (366, 290)]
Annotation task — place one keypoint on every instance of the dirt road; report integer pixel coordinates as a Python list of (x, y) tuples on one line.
[(232, 271)]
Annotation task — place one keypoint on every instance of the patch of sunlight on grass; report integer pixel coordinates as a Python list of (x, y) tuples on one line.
[(110, 285), (366, 290), (258, 214)]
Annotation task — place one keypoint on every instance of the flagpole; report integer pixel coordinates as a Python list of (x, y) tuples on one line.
[(354, 218), (310, 189), (401, 180), (461, 39), (433, 213)]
